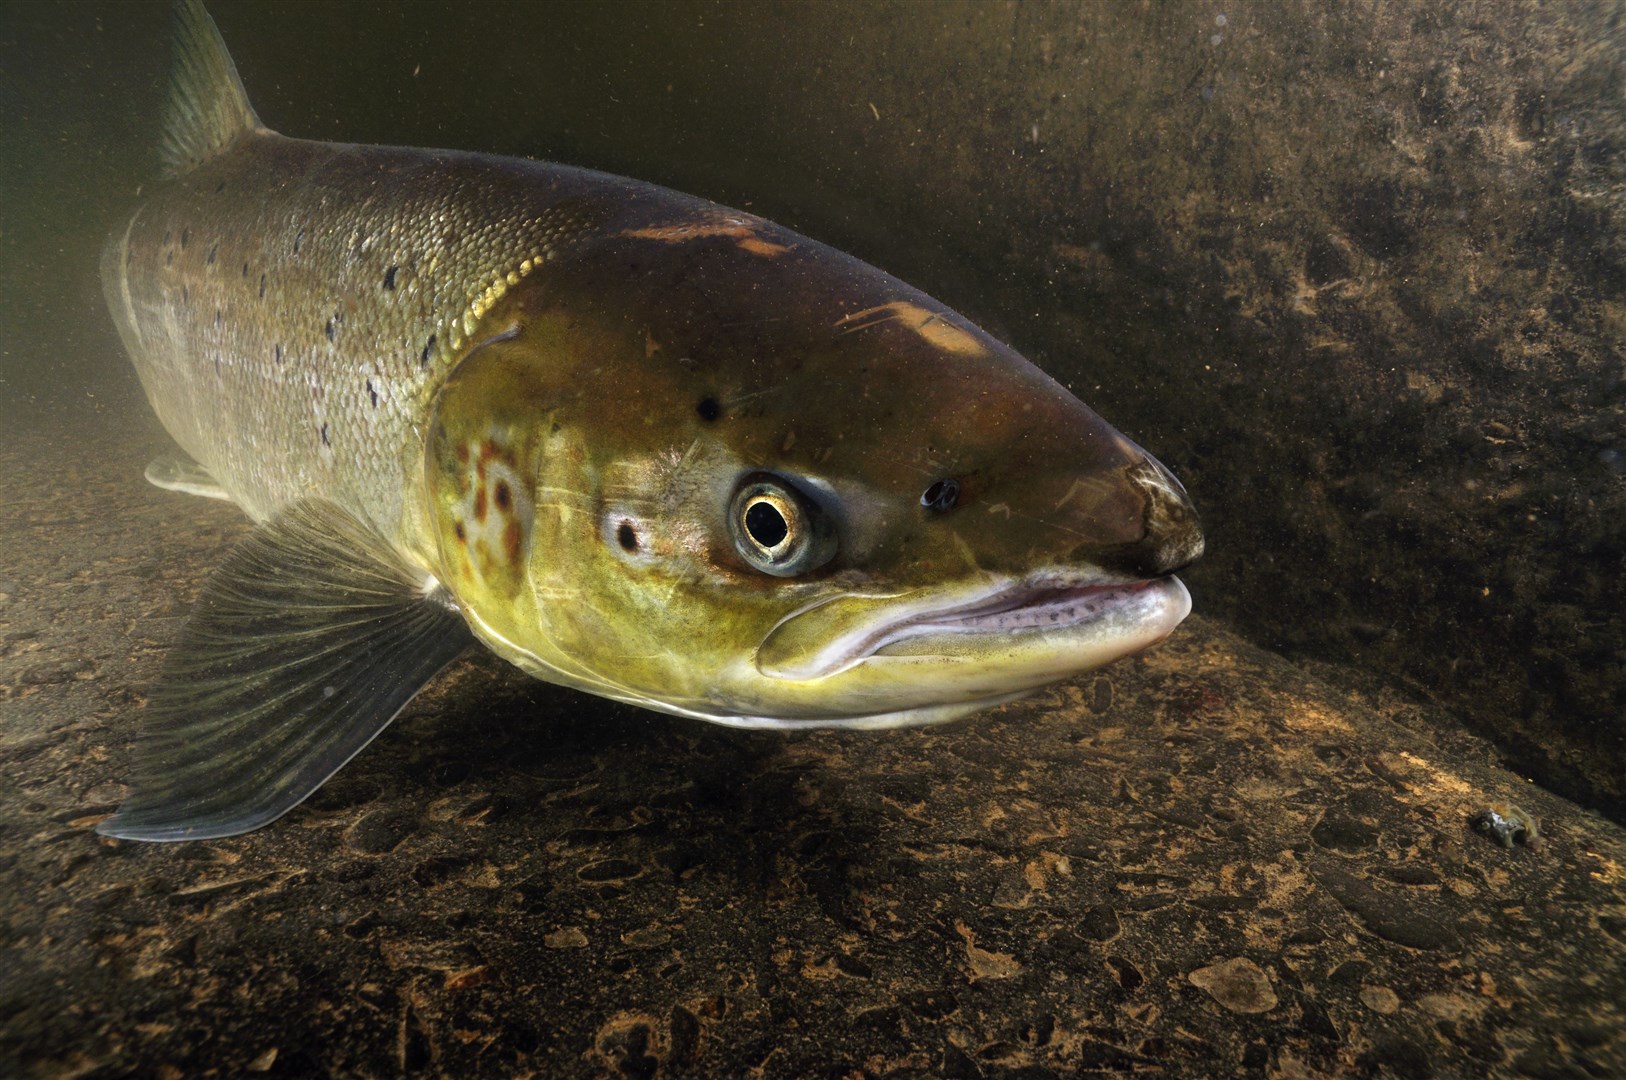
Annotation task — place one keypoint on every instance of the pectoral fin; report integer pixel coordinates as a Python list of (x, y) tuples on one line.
[(303, 647), (177, 472)]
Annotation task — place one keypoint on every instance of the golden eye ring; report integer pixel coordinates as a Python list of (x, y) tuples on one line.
[(777, 530)]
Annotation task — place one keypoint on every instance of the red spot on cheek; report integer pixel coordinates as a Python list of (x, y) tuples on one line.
[(462, 455), (460, 533), (510, 541), (480, 505)]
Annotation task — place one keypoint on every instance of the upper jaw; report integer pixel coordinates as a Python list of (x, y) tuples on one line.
[(1051, 623)]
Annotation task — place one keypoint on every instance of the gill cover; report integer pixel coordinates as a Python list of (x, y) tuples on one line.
[(484, 442)]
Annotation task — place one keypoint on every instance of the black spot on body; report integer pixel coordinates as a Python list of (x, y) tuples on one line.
[(262, 286), (245, 269), (186, 294), (324, 436), (328, 329), (299, 239), (168, 235), (389, 278), (220, 187), (627, 536), (276, 351), (708, 409), (505, 498), (186, 234), (428, 347), (213, 249), (372, 393)]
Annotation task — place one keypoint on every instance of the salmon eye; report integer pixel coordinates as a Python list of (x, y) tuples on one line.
[(777, 530)]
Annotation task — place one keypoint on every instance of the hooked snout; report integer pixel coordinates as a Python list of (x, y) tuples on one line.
[(1171, 535)]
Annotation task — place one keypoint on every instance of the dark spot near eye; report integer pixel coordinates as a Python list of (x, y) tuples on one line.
[(328, 329), (460, 532), (213, 248), (942, 495), (186, 235), (428, 347), (504, 497), (372, 393), (708, 409), (262, 286), (324, 436), (627, 536)]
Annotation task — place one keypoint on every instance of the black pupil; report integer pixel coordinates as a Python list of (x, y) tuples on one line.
[(628, 536), (766, 524)]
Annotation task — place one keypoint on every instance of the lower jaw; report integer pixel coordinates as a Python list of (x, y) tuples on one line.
[(937, 674)]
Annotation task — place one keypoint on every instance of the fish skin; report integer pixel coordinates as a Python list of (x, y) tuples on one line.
[(553, 395), (345, 279)]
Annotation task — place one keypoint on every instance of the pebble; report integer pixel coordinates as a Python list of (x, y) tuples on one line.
[(1238, 984)]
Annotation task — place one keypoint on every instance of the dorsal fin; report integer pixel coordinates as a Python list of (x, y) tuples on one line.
[(207, 109)]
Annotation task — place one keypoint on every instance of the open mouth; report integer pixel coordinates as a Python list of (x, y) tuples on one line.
[(1044, 613)]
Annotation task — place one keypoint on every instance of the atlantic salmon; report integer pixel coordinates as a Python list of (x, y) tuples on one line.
[(629, 440)]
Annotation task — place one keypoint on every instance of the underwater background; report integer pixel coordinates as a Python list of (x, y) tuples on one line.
[(1354, 271)]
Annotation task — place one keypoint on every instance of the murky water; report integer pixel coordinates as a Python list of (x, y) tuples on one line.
[(1352, 271)]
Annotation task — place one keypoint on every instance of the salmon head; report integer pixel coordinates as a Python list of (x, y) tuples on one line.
[(711, 467)]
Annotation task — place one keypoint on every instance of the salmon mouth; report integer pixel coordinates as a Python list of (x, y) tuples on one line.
[(1038, 629), (1023, 609)]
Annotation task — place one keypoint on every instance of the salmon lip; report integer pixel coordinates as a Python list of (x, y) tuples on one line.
[(1027, 607), (1040, 604)]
